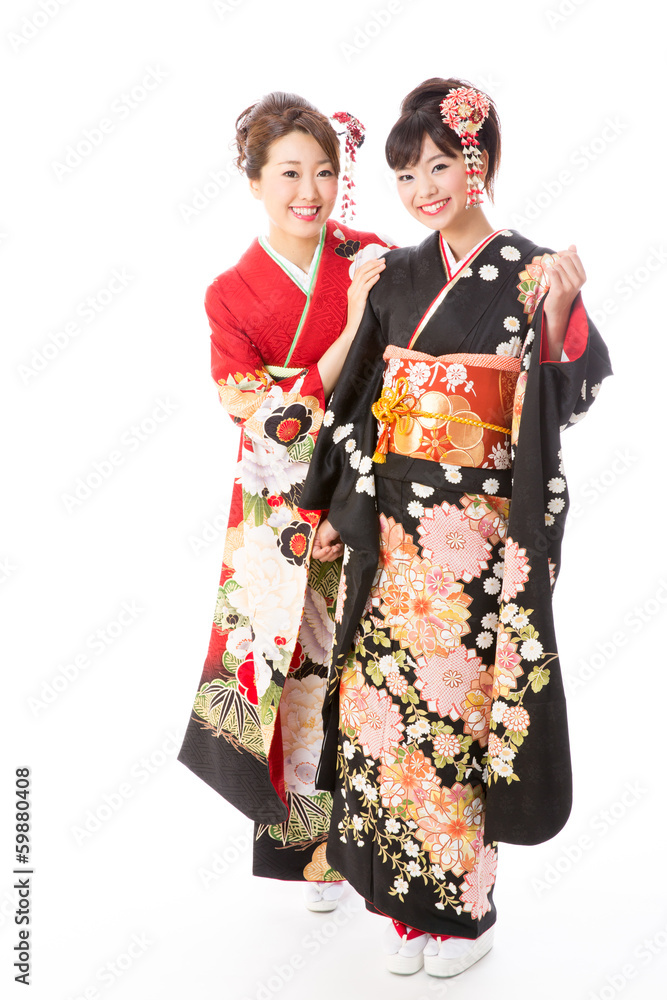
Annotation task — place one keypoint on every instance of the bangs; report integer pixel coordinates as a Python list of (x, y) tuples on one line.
[(404, 142)]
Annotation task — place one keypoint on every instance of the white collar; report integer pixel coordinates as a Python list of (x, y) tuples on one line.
[(302, 278)]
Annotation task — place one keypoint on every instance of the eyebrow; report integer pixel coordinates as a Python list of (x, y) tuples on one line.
[(430, 160), (297, 163)]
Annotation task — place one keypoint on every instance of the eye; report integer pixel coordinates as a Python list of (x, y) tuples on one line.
[(290, 173), (440, 166), (326, 173), (404, 177)]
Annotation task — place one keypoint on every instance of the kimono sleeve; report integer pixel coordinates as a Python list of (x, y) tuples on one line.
[(239, 370), (340, 477), (582, 367), (550, 395)]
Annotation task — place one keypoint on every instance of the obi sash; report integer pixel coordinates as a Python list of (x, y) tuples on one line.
[(455, 408)]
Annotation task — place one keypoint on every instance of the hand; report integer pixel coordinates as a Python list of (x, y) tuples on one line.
[(365, 276), (327, 546), (566, 278)]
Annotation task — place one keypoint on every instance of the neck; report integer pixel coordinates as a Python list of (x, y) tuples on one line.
[(300, 250), (467, 233)]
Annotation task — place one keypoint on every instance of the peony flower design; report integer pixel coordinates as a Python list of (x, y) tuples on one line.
[(266, 466), (300, 768), (317, 629), (266, 594), (301, 713)]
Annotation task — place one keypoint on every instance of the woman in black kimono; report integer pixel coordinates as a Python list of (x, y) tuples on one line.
[(445, 719)]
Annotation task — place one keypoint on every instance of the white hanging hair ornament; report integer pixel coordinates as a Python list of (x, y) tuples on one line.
[(354, 137), (465, 111)]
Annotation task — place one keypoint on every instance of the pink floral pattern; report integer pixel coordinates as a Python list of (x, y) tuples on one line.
[(448, 822), (447, 538), (380, 725), (479, 882), (516, 570), (444, 681)]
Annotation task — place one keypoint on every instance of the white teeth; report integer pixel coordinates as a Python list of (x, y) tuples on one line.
[(432, 209), (305, 211)]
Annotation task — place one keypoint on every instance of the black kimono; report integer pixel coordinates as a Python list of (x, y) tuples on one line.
[(445, 718)]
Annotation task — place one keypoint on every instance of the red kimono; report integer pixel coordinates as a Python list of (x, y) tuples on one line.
[(255, 733)]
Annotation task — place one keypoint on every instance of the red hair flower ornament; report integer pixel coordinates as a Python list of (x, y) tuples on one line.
[(465, 110)]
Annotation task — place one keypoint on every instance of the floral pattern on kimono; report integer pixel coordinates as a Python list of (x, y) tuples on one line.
[(256, 730), (445, 722)]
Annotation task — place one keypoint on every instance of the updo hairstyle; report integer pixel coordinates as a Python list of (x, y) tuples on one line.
[(420, 113), (274, 116)]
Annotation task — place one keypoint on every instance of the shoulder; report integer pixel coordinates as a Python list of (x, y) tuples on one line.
[(231, 287), (405, 258), (526, 247), (346, 242)]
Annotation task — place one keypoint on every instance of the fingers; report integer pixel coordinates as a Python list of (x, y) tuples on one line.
[(327, 553), (571, 262), (566, 275), (369, 269), (370, 265)]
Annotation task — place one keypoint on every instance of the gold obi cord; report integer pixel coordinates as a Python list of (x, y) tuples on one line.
[(398, 406)]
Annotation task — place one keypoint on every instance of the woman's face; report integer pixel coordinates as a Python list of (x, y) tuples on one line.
[(435, 189), (297, 185)]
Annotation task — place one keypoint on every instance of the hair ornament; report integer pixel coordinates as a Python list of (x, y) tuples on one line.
[(355, 133), (465, 110)]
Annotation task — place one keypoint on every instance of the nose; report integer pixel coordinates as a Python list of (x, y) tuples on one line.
[(426, 185), (308, 187)]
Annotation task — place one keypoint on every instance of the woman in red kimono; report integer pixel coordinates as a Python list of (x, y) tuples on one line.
[(282, 320), (445, 720)]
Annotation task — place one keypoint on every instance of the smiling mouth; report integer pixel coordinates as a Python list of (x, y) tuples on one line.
[(434, 207), (307, 212)]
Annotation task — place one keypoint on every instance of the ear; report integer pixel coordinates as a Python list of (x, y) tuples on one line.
[(255, 188), (485, 164)]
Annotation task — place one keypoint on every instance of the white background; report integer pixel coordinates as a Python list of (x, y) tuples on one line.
[(579, 96)]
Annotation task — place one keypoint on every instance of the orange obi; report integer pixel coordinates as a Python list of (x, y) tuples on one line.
[(456, 408)]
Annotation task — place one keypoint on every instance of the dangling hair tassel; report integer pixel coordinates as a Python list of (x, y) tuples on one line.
[(465, 110), (354, 138)]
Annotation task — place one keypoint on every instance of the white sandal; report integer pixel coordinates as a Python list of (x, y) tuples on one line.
[(452, 955), (404, 948), (323, 896)]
